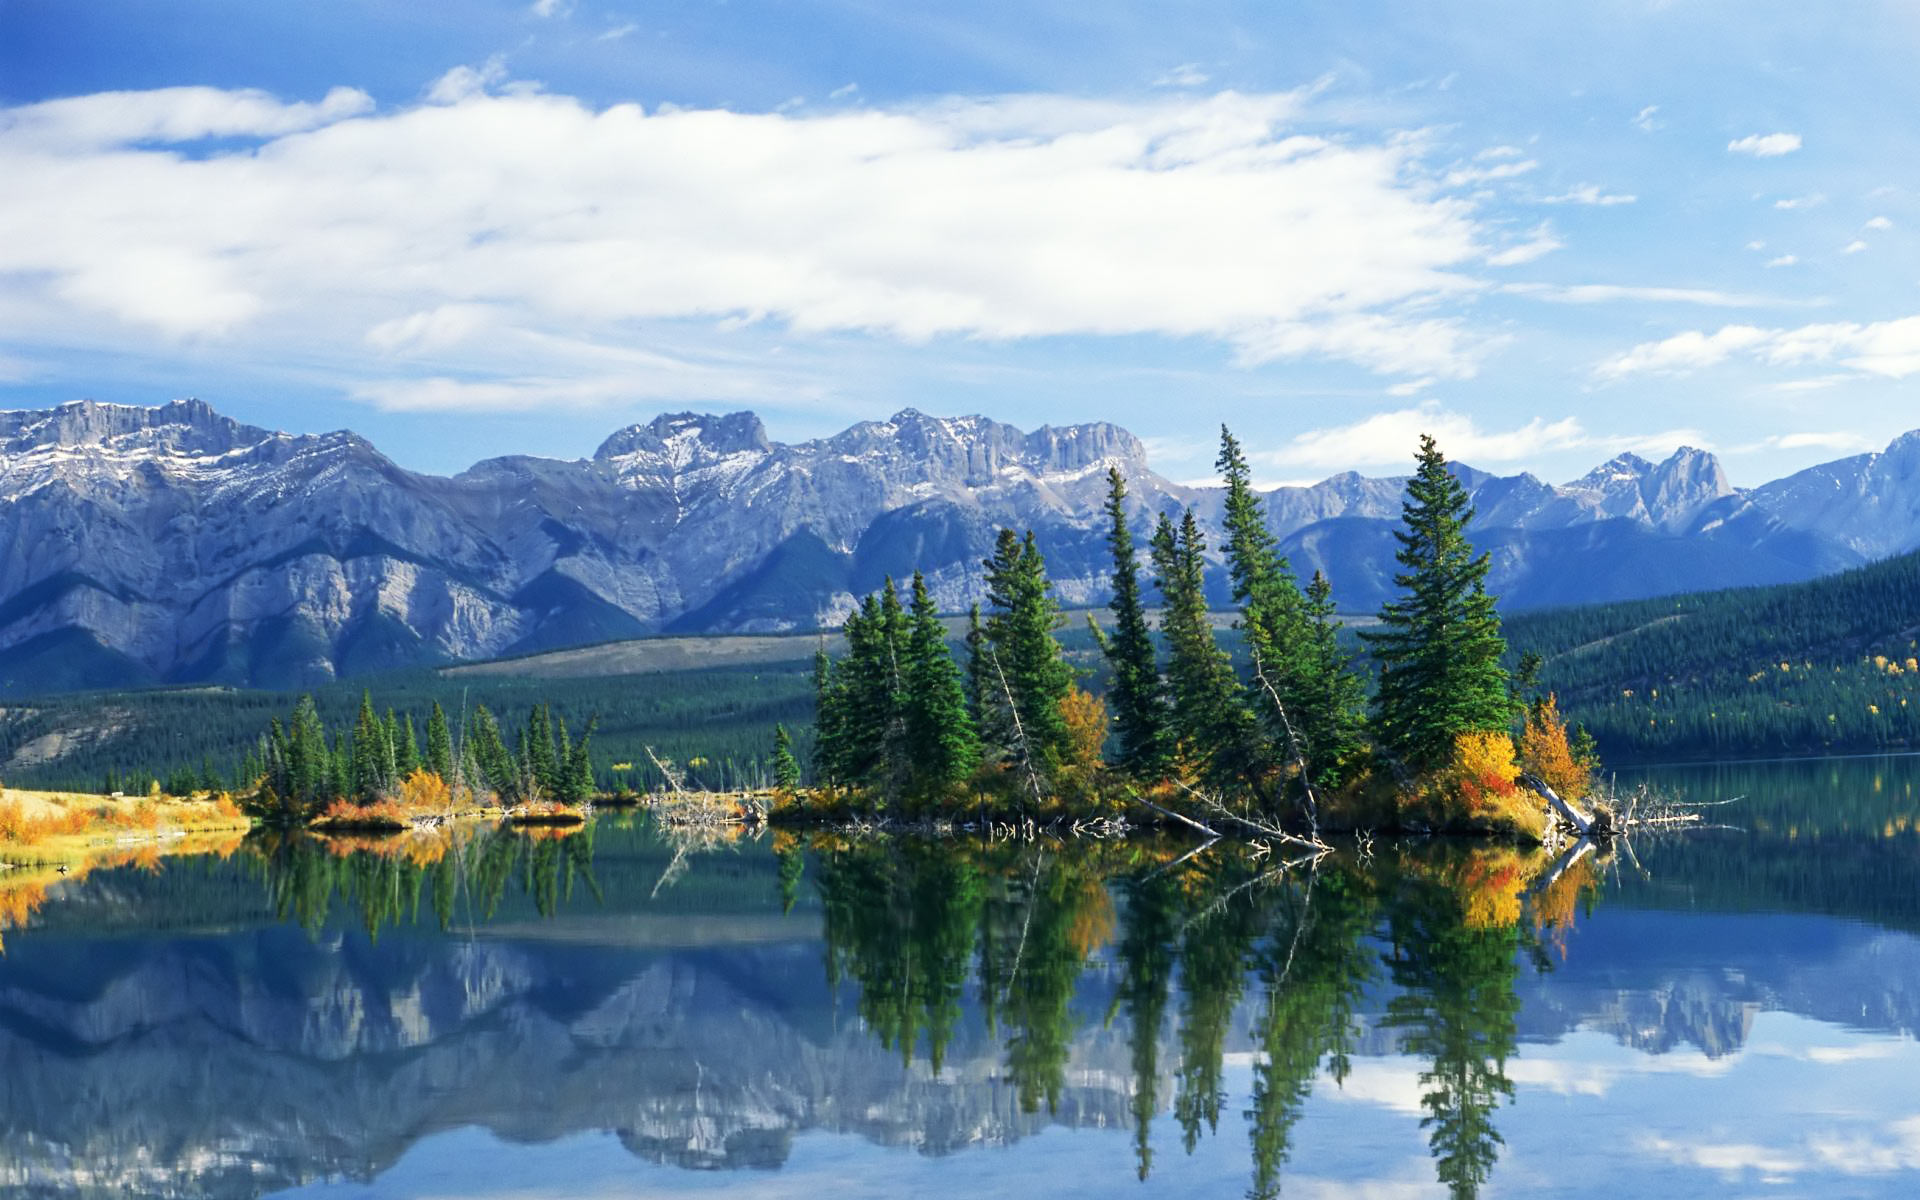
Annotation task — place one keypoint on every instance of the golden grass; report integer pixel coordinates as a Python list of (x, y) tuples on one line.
[(69, 828)]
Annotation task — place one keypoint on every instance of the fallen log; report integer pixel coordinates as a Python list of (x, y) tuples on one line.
[(1581, 822)]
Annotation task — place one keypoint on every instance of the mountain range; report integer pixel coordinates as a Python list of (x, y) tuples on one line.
[(172, 544)]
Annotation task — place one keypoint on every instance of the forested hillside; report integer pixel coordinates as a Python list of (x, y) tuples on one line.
[(1832, 665)]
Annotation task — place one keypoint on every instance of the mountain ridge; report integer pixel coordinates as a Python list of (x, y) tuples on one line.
[(173, 544)]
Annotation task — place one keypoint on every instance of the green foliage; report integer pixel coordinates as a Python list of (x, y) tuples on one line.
[(1439, 649), (1136, 697), (1210, 720), (1827, 666), (942, 747), (786, 769), (1029, 677), (439, 743)]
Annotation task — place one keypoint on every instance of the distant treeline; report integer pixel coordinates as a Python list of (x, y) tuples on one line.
[(1831, 665)]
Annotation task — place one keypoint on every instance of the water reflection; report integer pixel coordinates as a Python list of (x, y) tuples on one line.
[(306, 1009)]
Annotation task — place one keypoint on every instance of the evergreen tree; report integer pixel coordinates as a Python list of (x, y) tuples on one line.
[(341, 783), (829, 720), (1439, 645), (579, 766), (439, 744), (1025, 659), (390, 736), (407, 753), (941, 744), (537, 766), (490, 755), (1209, 717), (786, 770), (1272, 616), (1333, 700), (986, 702), (1137, 697), (562, 788), (369, 756)]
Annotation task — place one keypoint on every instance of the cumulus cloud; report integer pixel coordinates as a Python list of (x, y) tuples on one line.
[(1644, 120), (103, 120), (1811, 200), (1388, 438), (1854, 247), (1889, 349), (431, 230), (1879, 223), (1765, 145), (1784, 260)]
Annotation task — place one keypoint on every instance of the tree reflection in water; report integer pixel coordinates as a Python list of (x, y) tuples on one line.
[(909, 922)]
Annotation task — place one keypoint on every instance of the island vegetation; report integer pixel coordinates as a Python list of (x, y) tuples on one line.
[(1289, 741)]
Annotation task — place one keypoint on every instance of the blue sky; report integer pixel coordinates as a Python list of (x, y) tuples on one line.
[(1545, 232)]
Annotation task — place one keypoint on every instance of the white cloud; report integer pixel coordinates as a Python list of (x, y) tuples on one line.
[(464, 81), (1683, 352), (1785, 260), (1002, 218), (1541, 243), (1839, 440), (1500, 152), (1811, 200), (1604, 293), (1462, 176), (1854, 247), (1756, 245), (616, 32), (1389, 438), (551, 8), (1768, 145), (1879, 223), (1889, 349), (1186, 75), (843, 91), (1588, 193), (1643, 120), (174, 115)]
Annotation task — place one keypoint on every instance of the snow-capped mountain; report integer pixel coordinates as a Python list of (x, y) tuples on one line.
[(173, 544)]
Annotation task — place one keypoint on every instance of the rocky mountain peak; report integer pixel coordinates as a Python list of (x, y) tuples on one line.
[(685, 438), (182, 426)]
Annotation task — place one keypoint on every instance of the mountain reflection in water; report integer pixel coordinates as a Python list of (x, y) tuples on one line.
[(299, 1011)]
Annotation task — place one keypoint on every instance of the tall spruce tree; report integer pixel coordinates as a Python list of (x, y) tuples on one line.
[(407, 753), (1137, 697), (1209, 719), (1024, 657), (941, 744), (578, 766), (1272, 611), (1439, 645), (538, 769), (786, 768), (986, 702), (439, 744), (489, 752), (829, 720), (1333, 700), (369, 755)]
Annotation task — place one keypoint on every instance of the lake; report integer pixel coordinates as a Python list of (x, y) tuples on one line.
[(1728, 1012)]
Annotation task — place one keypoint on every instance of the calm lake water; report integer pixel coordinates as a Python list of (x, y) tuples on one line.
[(610, 1014)]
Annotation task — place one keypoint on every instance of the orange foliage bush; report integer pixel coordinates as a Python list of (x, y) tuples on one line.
[(1545, 751), (381, 814), (1086, 718), (1483, 766), (17, 825), (423, 791)]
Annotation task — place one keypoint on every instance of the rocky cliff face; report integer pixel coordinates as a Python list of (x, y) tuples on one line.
[(172, 544)]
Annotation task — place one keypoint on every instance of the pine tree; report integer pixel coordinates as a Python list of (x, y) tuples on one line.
[(390, 737), (369, 756), (439, 744), (1439, 645), (490, 755), (1209, 717), (579, 766), (1137, 697), (1333, 700), (1024, 657), (942, 747), (407, 753), (561, 787), (786, 769), (829, 720), (537, 767), (986, 703)]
